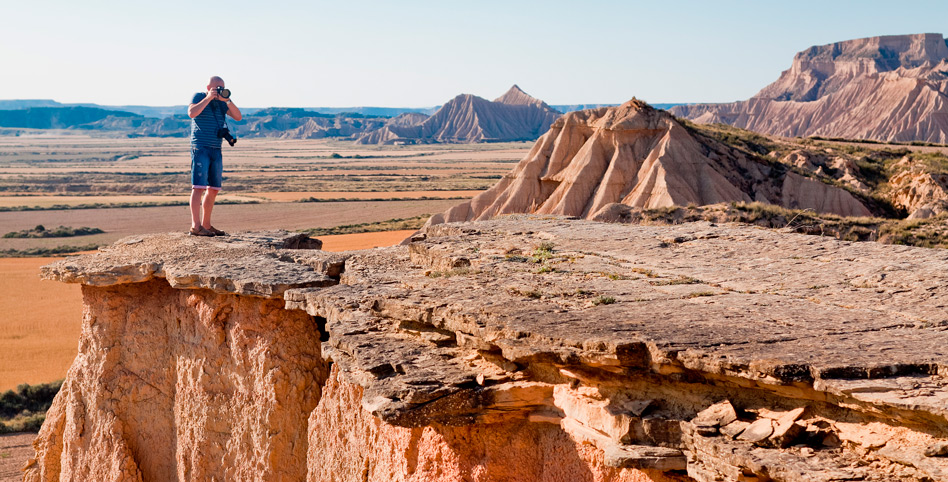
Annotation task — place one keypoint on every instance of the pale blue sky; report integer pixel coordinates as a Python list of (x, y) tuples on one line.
[(422, 53)]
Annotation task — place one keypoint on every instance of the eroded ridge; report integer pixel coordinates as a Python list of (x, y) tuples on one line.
[(608, 352)]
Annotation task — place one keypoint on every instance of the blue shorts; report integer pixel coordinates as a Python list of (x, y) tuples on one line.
[(207, 168)]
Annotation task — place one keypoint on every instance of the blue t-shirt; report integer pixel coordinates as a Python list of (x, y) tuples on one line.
[(204, 127)]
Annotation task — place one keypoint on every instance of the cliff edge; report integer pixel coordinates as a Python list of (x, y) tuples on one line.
[(521, 348)]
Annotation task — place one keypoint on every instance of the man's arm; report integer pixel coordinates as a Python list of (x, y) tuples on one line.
[(233, 111), (195, 110)]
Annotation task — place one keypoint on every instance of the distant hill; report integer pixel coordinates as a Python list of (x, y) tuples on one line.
[(564, 108), (143, 110), (57, 117), (375, 111), (514, 116), (169, 111), (304, 124), (891, 88)]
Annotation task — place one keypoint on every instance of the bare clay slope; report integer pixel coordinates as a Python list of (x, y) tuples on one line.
[(890, 88), (642, 157), (514, 116)]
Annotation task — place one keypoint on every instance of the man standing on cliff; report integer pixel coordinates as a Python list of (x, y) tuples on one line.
[(207, 111)]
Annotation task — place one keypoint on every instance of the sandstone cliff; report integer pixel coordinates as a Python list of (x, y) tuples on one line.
[(518, 349), (890, 88), (643, 157), (515, 116)]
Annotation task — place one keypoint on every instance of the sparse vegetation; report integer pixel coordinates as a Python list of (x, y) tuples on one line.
[(929, 233), (454, 272), (699, 294), (680, 280), (542, 253), (528, 293), (375, 199), (36, 252), (24, 409), (603, 300), (59, 207), (40, 231), (647, 272), (398, 224)]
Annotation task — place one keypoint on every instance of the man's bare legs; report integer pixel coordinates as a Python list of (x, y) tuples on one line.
[(196, 195), (202, 202), (209, 198)]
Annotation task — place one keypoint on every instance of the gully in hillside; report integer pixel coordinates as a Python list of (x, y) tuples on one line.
[(208, 126)]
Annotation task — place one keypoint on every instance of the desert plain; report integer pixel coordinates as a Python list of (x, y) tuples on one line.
[(132, 186)]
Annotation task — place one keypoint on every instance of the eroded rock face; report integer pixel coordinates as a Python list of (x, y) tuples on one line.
[(921, 194), (175, 384), (348, 443), (890, 88), (514, 116), (642, 157), (523, 348)]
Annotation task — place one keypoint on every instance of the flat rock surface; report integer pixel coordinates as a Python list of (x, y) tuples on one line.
[(728, 300), (251, 263), (706, 299)]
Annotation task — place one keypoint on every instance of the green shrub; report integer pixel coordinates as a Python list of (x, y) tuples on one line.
[(24, 409), (40, 231), (29, 398)]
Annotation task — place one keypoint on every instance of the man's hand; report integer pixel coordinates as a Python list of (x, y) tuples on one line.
[(213, 95)]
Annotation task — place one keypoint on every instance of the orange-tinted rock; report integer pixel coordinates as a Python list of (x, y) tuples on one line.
[(183, 385), (347, 443)]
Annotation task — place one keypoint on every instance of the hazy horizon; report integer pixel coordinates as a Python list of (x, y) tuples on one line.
[(420, 54)]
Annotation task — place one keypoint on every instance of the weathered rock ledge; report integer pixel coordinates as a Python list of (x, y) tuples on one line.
[(523, 348)]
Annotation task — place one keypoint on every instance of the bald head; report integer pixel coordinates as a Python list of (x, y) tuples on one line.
[(215, 82)]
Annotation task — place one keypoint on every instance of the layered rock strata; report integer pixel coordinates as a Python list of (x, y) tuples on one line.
[(514, 116), (523, 348), (642, 157), (890, 88)]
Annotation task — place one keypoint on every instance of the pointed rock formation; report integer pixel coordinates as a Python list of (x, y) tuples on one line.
[(514, 116), (639, 156), (516, 96), (891, 88)]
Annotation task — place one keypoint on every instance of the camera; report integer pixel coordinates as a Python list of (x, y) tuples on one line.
[(224, 133), (224, 93)]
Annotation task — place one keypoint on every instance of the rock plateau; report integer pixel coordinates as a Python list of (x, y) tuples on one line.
[(519, 349)]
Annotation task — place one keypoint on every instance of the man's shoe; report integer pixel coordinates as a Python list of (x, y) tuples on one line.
[(217, 232), (200, 231)]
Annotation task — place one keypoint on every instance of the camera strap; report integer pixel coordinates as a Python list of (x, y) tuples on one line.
[(223, 122)]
